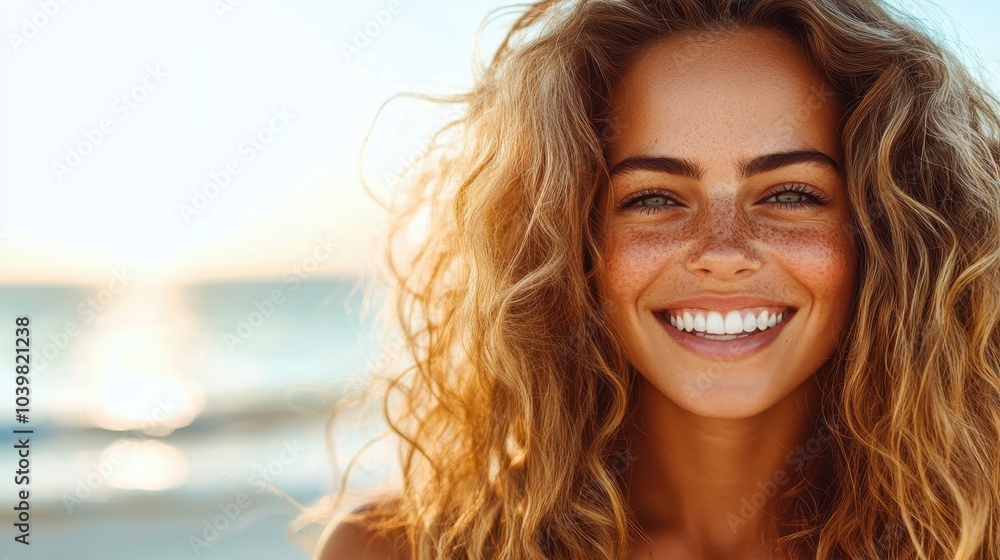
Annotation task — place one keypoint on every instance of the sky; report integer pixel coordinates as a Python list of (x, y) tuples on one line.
[(205, 140)]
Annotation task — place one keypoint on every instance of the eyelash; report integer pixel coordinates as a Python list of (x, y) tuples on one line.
[(812, 198)]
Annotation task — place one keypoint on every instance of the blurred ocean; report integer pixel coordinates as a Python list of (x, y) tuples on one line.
[(161, 415)]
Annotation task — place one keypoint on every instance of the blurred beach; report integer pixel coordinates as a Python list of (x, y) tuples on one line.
[(159, 426)]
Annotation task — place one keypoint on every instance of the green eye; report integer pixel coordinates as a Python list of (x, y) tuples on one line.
[(785, 196), (790, 196), (654, 201), (795, 196), (648, 202)]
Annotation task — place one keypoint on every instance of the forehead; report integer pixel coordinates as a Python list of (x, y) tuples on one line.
[(750, 91)]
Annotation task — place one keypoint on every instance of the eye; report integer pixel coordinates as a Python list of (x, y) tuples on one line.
[(796, 196), (647, 202), (792, 196)]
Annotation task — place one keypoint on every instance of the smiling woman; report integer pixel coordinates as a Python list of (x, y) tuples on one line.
[(730, 275), (704, 234), (704, 279)]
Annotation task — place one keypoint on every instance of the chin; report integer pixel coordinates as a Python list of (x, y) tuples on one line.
[(714, 396), (726, 405), (731, 407)]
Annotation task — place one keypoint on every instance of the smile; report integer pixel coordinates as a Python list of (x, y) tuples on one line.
[(726, 322), (728, 335)]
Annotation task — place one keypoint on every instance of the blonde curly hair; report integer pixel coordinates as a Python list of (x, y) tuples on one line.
[(510, 413)]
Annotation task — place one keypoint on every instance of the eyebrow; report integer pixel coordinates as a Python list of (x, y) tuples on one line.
[(748, 168)]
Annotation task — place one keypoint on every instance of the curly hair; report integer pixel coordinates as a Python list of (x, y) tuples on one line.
[(510, 411)]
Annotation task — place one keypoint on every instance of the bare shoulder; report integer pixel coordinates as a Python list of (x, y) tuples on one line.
[(351, 540)]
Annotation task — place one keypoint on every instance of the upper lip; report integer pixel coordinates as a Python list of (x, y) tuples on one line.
[(724, 303)]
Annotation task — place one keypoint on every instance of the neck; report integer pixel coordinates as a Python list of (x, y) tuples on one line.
[(714, 483)]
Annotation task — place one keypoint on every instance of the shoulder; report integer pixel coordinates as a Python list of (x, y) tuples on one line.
[(355, 540)]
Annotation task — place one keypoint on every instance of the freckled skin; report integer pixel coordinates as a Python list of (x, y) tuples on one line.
[(738, 96)]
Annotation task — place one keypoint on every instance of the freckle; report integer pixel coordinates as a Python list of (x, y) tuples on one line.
[(637, 254)]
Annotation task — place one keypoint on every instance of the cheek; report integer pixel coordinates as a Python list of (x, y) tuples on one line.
[(635, 256), (820, 257)]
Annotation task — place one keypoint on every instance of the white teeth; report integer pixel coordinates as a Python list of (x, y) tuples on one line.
[(714, 324), (762, 320), (734, 322)]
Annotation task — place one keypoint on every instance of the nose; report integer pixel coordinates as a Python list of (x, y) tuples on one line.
[(722, 246)]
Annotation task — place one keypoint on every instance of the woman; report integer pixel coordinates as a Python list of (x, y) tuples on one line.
[(705, 279)]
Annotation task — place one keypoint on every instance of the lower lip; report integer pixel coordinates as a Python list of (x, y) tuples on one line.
[(735, 349)]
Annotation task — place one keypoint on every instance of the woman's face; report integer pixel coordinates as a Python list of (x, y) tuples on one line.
[(726, 210)]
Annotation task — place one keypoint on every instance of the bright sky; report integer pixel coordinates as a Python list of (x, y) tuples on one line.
[(118, 117)]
